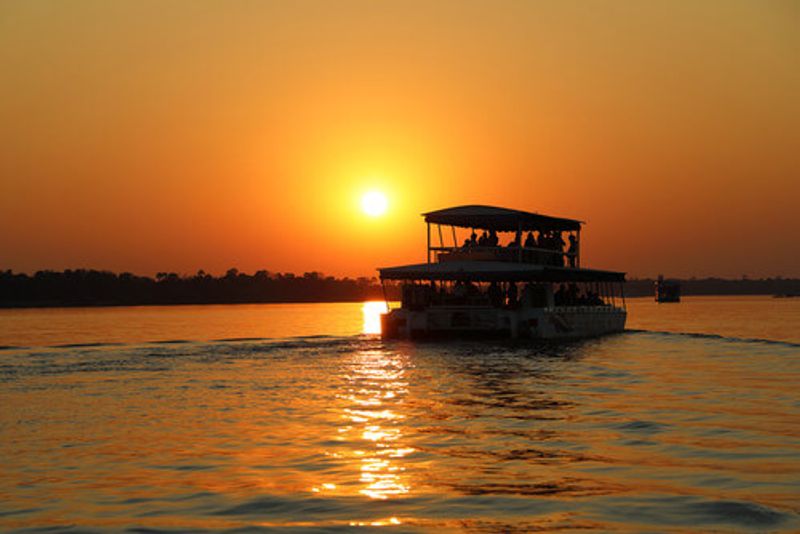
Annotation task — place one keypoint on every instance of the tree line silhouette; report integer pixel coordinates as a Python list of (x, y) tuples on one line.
[(85, 287)]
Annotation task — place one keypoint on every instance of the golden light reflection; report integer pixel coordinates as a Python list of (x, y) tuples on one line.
[(372, 311), (378, 523), (371, 433)]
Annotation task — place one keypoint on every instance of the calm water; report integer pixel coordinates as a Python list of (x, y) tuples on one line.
[(276, 417)]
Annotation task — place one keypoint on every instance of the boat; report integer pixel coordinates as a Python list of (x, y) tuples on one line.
[(502, 284), (667, 290)]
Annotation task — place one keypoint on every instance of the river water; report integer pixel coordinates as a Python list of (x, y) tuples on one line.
[(291, 417)]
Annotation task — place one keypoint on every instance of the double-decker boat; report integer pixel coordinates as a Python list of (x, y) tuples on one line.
[(518, 280)]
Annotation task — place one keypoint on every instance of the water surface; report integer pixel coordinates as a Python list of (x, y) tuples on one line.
[(287, 417)]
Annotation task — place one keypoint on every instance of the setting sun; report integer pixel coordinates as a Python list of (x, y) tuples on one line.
[(374, 203)]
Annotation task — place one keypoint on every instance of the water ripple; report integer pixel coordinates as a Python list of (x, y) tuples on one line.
[(635, 432)]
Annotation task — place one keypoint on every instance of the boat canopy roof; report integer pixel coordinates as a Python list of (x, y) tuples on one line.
[(487, 271), (499, 219)]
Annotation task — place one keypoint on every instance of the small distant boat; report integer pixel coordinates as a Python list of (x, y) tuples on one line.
[(533, 289), (667, 290)]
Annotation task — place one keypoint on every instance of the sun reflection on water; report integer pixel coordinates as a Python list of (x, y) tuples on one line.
[(371, 430), (372, 311)]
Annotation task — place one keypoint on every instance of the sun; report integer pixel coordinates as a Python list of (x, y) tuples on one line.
[(374, 203)]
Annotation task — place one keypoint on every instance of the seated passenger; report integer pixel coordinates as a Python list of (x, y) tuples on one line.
[(472, 290), (493, 240), (511, 295), (526, 300), (544, 241), (572, 295), (460, 292), (530, 241), (483, 240), (517, 240), (560, 296), (435, 293), (495, 295)]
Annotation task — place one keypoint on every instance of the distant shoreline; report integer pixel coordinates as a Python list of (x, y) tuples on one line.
[(91, 288), (42, 306)]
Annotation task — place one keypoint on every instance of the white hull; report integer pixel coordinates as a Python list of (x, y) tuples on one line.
[(555, 323)]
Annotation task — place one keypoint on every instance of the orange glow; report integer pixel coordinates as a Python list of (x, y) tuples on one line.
[(169, 150), (374, 203)]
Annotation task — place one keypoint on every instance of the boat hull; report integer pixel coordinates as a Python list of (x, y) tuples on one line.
[(556, 323)]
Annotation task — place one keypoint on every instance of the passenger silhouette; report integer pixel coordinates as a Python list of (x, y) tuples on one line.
[(558, 246), (493, 240), (572, 251), (516, 241), (530, 241), (512, 295), (560, 296), (495, 295)]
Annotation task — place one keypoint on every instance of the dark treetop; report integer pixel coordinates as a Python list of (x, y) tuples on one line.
[(83, 287)]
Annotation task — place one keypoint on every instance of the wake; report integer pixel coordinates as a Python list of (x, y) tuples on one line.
[(718, 337)]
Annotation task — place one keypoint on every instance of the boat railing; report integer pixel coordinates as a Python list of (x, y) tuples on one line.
[(534, 255)]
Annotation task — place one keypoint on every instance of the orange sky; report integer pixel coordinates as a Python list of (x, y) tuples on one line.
[(149, 136)]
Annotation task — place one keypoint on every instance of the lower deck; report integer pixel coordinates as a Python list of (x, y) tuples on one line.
[(551, 323)]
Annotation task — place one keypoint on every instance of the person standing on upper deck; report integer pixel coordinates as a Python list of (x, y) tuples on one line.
[(530, 255), (559, 244), (546, 243), (572, 251)]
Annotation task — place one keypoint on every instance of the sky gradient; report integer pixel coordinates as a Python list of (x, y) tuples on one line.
[(150, 136)]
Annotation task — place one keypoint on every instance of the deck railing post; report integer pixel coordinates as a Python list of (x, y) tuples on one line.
[(613, 295), (429, 241), (385, 299)]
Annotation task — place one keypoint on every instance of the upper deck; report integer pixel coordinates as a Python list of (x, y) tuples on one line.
[(513, 246), (506, 235), (499, 219)]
